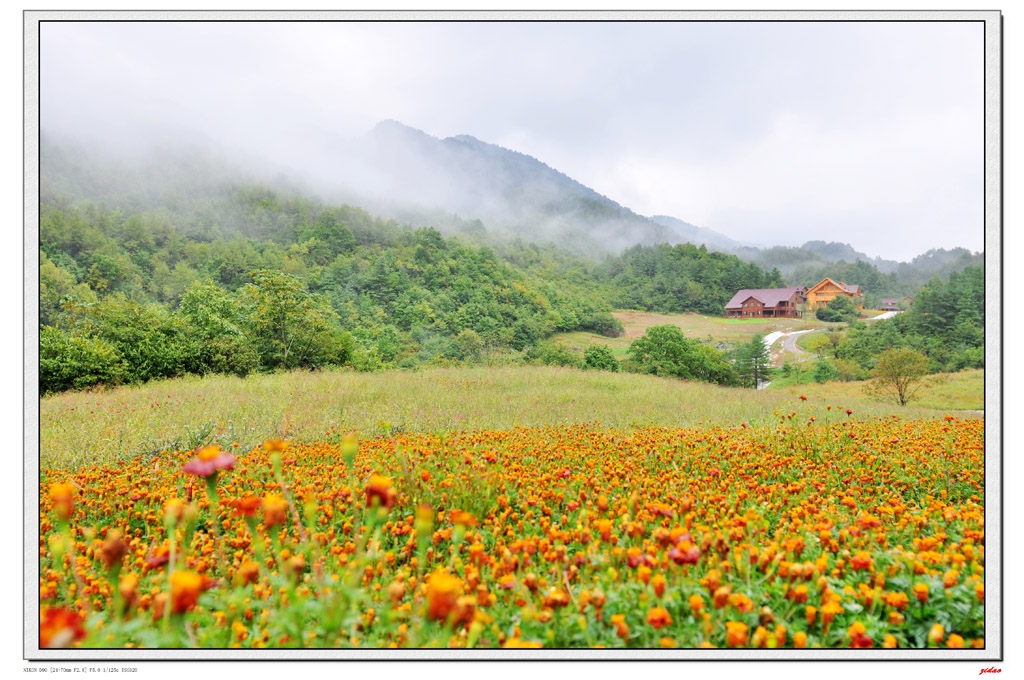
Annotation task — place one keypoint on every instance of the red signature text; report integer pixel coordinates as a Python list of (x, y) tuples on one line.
[(992, 669)]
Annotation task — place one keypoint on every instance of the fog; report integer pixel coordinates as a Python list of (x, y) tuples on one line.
[(769, 133)]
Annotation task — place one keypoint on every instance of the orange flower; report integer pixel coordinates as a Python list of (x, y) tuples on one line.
[(659, 583), (861, 561), (829, 611), (60, 627), (800, 640), (443, 591), (379, 491), (248, 572), (247, 506), (936, 634), (185, 589), (62, 496), (736, 633), (921, 591), (889, 642), (275, 510), (950, 578), (621, 629), (275, 445), (859, 638), (955, 642), (462, 517), (113, 550), (696, 604), (721, 596), (556, 598), (658, 617), (897, 600)]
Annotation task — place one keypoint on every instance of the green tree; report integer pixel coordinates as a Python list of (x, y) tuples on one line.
[(753, 361), (665, 351), (289, 326), (840, 308), (824, 371), (898, 376), (600, 357)]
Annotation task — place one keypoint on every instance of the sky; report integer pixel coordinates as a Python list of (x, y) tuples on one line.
[(773, 133)]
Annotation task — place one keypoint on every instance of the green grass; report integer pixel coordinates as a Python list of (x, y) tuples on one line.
[(963, 391), (709, 329), (802, 341), (103, 427)]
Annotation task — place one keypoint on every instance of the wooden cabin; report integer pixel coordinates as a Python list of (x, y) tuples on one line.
[(766, 303), (826, 290)]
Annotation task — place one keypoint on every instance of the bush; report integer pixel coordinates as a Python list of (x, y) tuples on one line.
[(665, 351), (604, 324), (824, 371), (847, 370), (72, 362), (600, 357), (841, 308), (553, 354)]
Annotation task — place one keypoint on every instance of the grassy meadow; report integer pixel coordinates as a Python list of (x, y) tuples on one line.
[(961, 391), (79, 428)]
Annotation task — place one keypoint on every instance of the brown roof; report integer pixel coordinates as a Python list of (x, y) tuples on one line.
[(769, 297), (851, 289)]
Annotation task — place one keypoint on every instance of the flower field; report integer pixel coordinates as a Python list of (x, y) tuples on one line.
[(821, 530)]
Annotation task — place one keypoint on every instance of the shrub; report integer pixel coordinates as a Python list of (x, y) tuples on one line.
[(665, 351), (600, 357), (73, 362), (824, 371)]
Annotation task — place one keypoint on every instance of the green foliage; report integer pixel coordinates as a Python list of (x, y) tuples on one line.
[(665, 351), (681, 278), (72, 362), (288, 326), (753, 362), (840, 308), (944, 323), (847, 370), (824, 371), (898, 375), (600, 357), (553, 354)]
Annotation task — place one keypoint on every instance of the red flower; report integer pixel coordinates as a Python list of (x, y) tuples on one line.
[(60, 627), (658, 617), (379, 489)]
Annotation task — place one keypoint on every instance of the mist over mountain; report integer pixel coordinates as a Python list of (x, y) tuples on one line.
[(459, 185), (398, 171), (690, 233)]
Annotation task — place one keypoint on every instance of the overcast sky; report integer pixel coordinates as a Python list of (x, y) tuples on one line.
[(774, 133)]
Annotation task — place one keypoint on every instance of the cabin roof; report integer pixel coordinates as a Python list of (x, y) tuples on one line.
[(769, 297)]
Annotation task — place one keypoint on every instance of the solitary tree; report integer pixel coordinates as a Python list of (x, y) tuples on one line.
[(898, 375), (753, 361)]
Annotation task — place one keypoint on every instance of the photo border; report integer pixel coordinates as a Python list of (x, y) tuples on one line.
[(993, 163)]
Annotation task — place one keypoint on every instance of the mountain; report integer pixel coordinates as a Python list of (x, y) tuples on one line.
[(398, 171), (690, 233)]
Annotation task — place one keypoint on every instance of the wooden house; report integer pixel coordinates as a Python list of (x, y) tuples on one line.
[(766, 303), (826, 290)]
